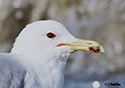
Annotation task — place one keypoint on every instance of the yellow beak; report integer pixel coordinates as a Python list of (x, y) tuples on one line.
[(85, 45)]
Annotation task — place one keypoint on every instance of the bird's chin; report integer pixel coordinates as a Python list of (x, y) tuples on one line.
[(65, 55), (65, 51), (73, 51)]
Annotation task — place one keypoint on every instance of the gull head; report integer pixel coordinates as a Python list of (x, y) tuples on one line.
[(45, 47), (52, 39)]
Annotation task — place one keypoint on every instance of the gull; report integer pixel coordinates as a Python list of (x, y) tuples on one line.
[(39, 56)]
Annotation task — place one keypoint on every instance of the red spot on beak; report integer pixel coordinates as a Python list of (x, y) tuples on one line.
[(94, 50)]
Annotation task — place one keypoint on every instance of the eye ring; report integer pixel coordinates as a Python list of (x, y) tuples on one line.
[(50, 35)]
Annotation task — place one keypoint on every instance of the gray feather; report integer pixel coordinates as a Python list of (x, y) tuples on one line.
[(12, 74)]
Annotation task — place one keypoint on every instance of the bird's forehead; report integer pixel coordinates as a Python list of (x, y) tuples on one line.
[(46, 26)]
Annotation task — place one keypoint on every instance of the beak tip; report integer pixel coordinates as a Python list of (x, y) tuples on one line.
[(102, 50)]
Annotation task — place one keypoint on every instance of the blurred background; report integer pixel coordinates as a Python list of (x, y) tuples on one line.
[(99, 20)]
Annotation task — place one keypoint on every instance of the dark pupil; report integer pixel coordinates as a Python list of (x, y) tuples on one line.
[(50, 35)]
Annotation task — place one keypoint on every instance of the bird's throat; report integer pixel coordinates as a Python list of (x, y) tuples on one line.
[(52, 73)]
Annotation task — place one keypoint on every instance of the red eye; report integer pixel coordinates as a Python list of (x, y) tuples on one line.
[(50, 35)]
